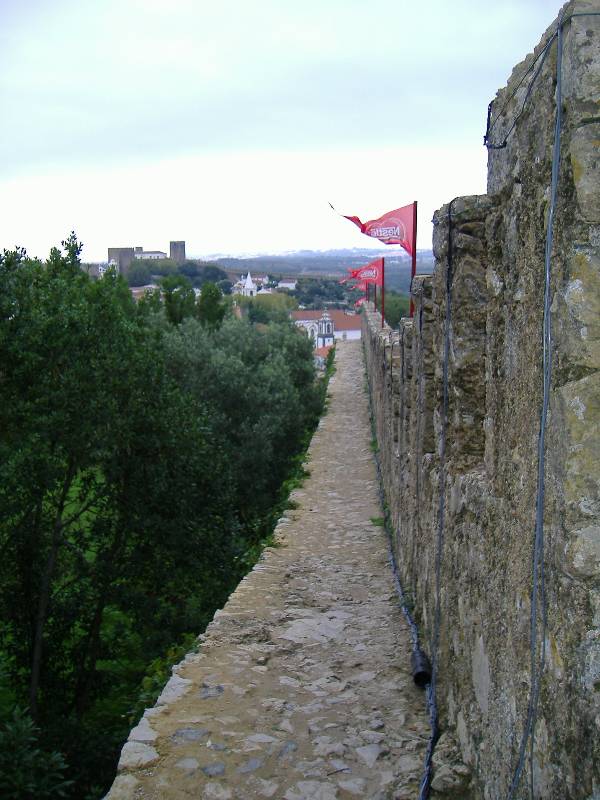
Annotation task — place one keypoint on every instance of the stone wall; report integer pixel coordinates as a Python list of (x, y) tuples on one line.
[(177, 251), (123, 256), (494, 405)]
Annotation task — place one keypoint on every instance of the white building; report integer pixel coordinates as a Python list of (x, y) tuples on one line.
[(245, 286), (153, 255), (344, 326), (249, 287), (290, 286)]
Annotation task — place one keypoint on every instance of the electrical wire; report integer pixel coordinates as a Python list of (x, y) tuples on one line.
[(538, 592), (538, 577), (538, 599), (491, 124), (538, 574), (541, 55), (425, 785)]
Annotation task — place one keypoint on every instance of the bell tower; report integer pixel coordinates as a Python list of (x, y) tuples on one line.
[(325, 335)]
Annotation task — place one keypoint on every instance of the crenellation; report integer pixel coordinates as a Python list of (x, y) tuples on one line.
[(494, 410)]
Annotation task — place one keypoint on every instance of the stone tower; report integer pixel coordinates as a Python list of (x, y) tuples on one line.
[(121, 257), (177, 252)]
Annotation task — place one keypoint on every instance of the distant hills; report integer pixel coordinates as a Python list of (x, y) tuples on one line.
[(329, 263)]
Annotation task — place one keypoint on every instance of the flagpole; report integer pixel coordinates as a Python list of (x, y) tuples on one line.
[(382, 290), (414, 258)]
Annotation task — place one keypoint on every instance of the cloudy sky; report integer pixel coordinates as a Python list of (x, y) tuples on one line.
[(231, 124)]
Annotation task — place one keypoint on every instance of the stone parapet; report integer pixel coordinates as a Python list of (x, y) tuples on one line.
[(495, 379)]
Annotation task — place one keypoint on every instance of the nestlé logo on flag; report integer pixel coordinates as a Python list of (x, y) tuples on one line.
[(371, 273), (394, 227)]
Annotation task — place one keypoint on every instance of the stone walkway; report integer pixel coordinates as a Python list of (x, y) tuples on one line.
[(301, 689)]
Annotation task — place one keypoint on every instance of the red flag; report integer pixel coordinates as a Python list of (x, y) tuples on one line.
[(395, 227), (371, 273), (352, 274)]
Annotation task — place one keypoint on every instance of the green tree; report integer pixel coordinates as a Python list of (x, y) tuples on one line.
[(151, 302), (26, 771), (179, 298), (260, 388), (190, 269), (396, 307), (210, 307), (268, 308), (60, 359), (115, 538), (160, 266), (139, 463), (211, 273), (139, 273), (225, 286)]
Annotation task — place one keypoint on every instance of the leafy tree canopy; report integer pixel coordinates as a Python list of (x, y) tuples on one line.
[(210, 307), (179, 298), (267, 308), (396, 307), (139, 273), (142, 454)]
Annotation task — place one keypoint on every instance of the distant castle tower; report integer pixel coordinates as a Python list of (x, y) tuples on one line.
[(177, 252), (120, 257)]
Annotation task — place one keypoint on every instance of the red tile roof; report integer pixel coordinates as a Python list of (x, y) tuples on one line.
[(341, 320)]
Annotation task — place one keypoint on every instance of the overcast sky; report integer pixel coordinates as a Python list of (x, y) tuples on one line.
[(232, 123)]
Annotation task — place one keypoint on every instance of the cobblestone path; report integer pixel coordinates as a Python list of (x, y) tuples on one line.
[(301, 689)]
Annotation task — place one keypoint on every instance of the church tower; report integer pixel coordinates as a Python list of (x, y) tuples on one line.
[(249, 288), (325, 334)]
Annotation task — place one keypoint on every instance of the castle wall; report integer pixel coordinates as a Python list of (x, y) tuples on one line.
[(495, 390), (122, 255)]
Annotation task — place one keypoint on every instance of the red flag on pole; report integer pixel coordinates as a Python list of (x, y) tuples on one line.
[(394, 227), (371, 273)]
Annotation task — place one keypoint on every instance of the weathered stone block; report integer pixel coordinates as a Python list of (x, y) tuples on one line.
[(585, 163)]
